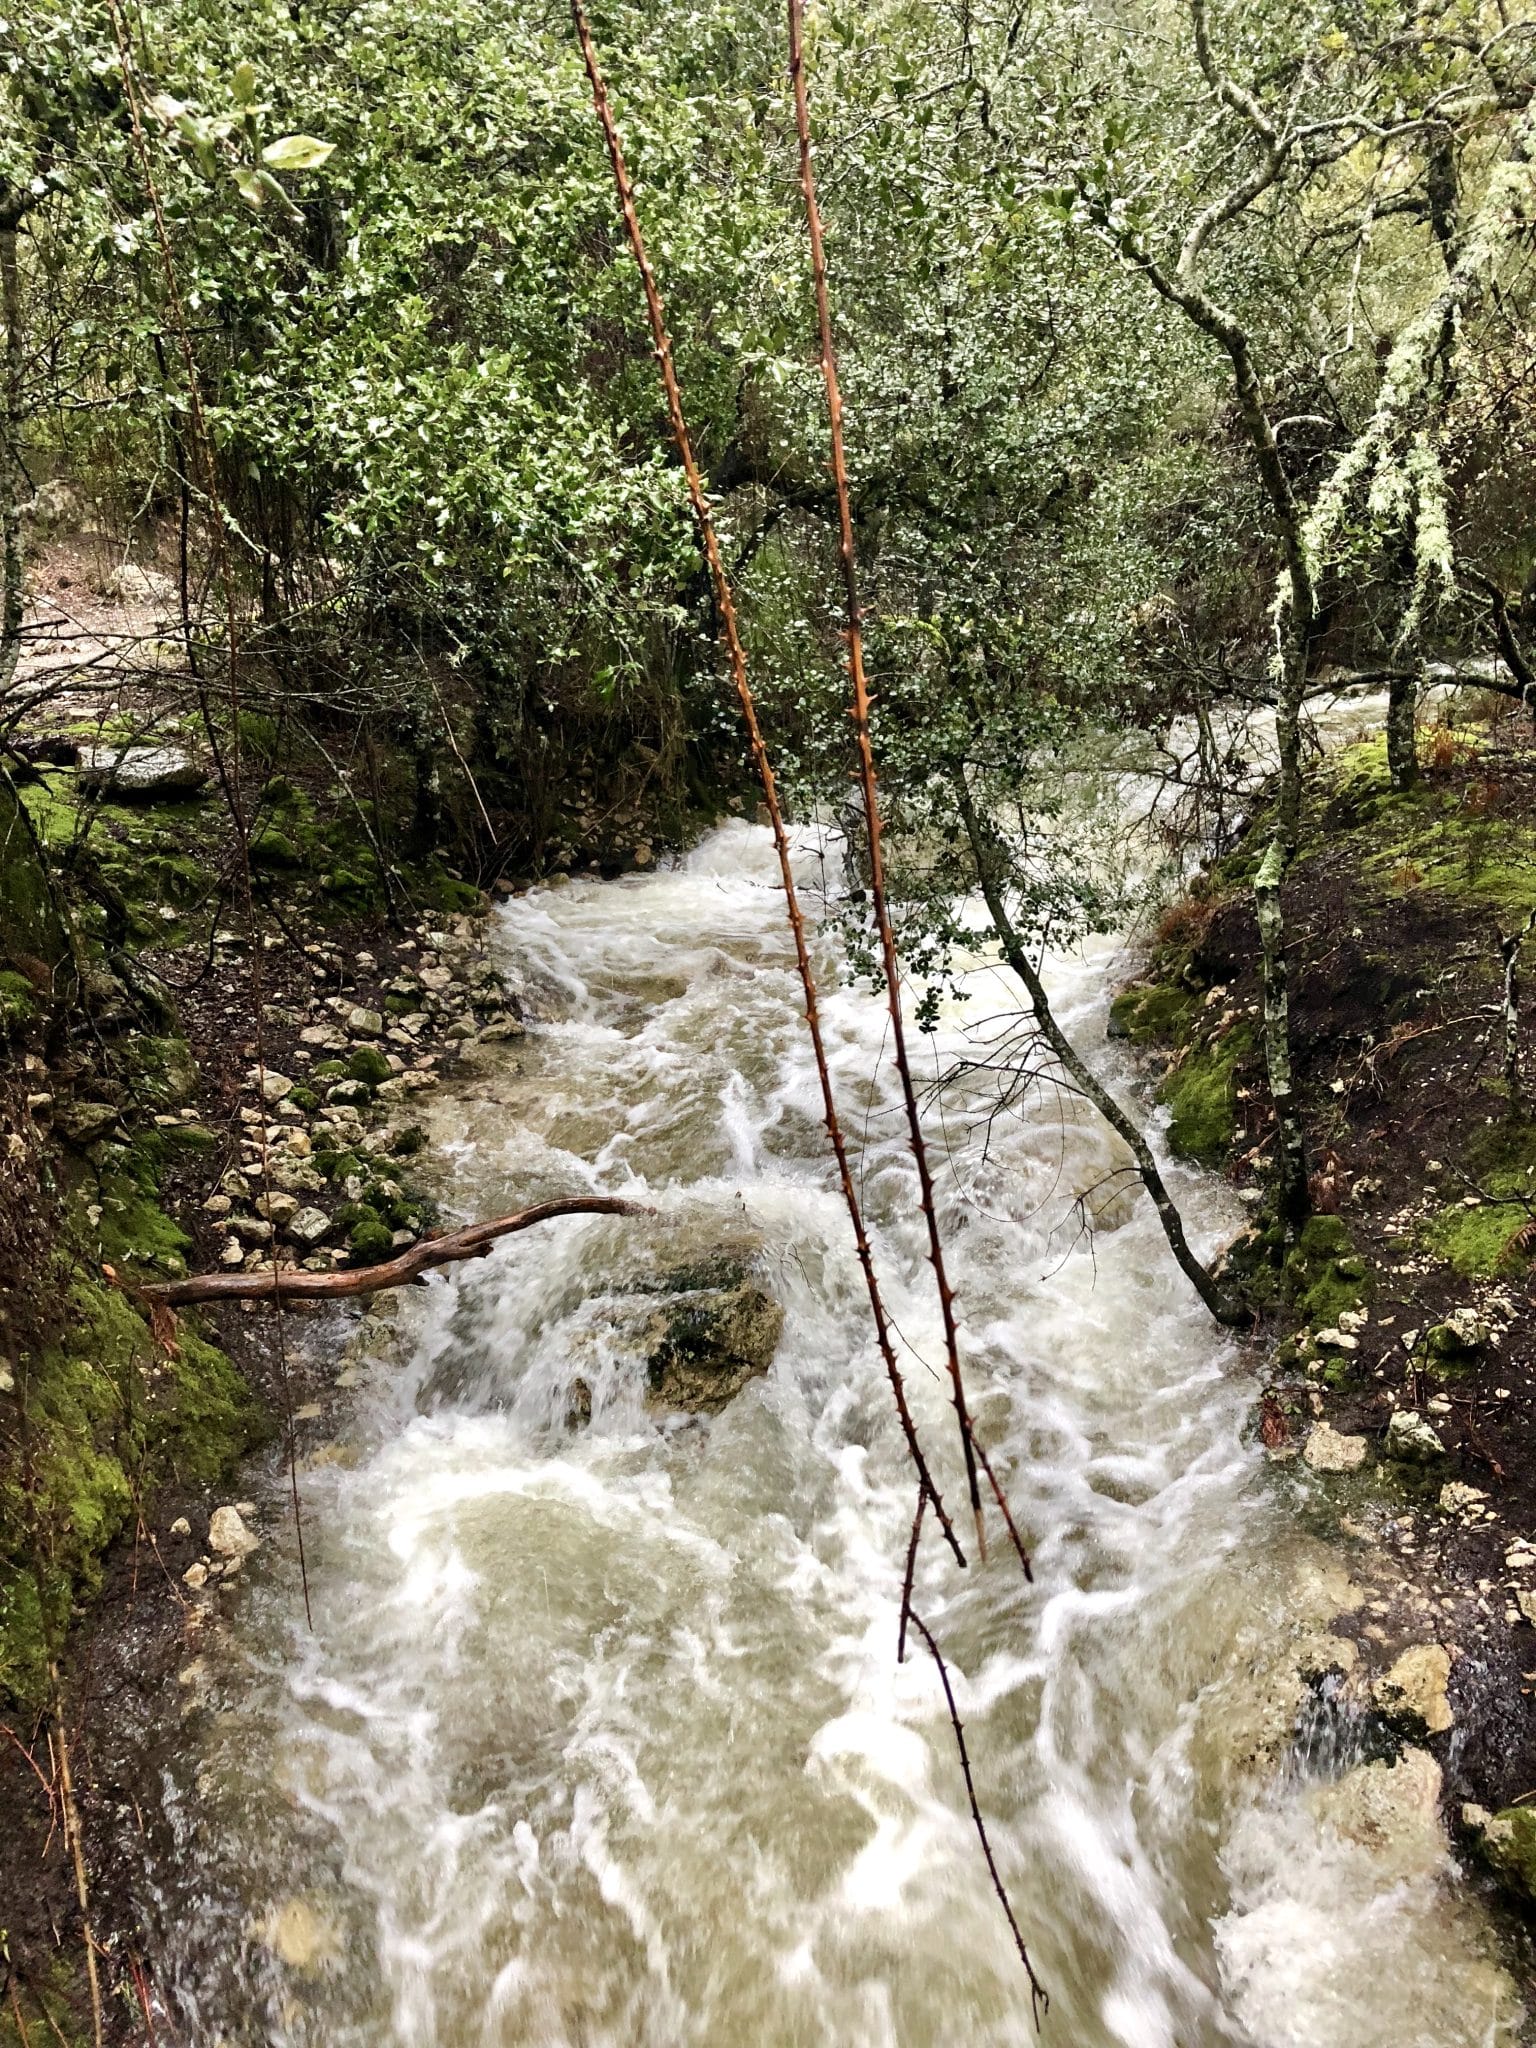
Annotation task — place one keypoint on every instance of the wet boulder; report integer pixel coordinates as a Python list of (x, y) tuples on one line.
[(141, 773), (1507, 1844), (714, 1327)]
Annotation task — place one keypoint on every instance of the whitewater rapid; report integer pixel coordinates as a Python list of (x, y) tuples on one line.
[(599, 1739)]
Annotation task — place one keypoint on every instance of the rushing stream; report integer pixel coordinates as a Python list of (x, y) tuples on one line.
[(599, 1740)]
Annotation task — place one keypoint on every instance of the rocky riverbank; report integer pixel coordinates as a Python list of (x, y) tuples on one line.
[(186, 1088), (1401, 1409)]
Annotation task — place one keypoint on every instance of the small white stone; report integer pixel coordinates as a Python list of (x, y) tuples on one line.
[(1328, 1451), (228, 1536)]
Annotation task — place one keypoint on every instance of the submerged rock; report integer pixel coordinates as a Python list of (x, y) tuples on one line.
[(1390, 1809), (307, 1941)]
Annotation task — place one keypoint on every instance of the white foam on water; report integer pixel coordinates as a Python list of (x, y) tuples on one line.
[(600, 1738)]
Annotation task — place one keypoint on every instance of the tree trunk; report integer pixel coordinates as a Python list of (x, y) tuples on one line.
[(1293, 689), (1294, 1200), (12, 473), (1402, 743), (985, 851), (1509, 954)]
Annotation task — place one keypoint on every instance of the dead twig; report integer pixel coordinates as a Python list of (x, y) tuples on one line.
[(866, 768)]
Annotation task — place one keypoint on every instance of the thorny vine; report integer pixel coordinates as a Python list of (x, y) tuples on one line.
[(974, 1454)]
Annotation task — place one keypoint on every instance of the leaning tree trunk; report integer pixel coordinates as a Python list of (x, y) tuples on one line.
[(986, 854), (1402, 743)]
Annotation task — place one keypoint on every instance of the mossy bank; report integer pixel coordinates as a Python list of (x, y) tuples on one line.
[(1400, 1323)]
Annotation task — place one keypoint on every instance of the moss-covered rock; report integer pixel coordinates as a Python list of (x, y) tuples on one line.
[(1506, 1842), (370, 1240), (274, 849), (1155, 1013), (161, 1072), (1200, 1091), (368, 1065), (20, 1004)]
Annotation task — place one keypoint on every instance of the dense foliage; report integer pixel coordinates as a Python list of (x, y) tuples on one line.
[(390, 235)]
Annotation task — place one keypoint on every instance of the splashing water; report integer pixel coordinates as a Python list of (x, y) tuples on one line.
[(600, 1741)]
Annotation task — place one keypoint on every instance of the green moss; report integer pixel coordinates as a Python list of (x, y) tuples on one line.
[(161, 1071), (305, 1099), (329, 1070), (1315, 1278), (190, 1138), (1200, 1094), (109, 1419), (1158, 1013), (348, 885), (1474, 1241), (19, 1003), (171, 878), (1323, 1275), (52, 2010), (274, 849), (447, 893), (369, 1065), (134, 1231), (370, 1242), (1507, 1843)]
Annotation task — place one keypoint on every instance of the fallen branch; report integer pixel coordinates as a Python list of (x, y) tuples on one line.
[(289, 1284)]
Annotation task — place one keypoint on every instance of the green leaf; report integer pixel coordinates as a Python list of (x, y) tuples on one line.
[(244, 83), (251, 189), (271, 187), (296, 153)]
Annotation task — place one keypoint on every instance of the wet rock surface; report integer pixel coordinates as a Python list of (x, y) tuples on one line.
[(715, 1327)]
